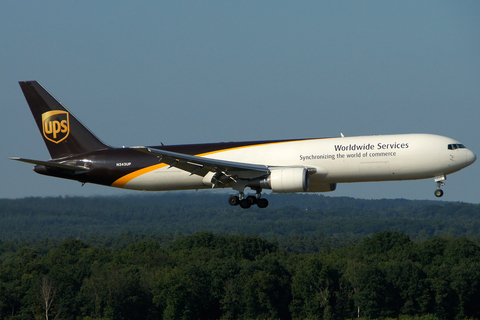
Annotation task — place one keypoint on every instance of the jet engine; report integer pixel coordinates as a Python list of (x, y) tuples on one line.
[(286, 180), (322, 187)]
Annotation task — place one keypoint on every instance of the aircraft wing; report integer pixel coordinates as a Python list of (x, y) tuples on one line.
[(202, 165), (52, 164)]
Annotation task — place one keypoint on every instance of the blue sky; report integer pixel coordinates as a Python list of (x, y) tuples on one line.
[(191, 72)]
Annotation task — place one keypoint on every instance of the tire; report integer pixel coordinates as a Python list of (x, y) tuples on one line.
[(252, 199), (245, 204), (438, 193), (233, 200), (262, 203)]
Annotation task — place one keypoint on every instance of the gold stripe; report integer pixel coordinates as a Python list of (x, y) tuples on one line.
[(121, 182), (249, 146)]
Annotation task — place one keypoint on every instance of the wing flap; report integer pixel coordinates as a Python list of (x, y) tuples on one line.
[(202, 165)]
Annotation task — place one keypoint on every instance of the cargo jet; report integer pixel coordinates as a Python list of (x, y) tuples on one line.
[(283, 166)]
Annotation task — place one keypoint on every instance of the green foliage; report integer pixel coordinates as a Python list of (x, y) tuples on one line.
[(207, 276), (322, 221), (183, 257), (317, 292)]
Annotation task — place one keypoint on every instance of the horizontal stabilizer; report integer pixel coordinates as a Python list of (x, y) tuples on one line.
[(51, 164)]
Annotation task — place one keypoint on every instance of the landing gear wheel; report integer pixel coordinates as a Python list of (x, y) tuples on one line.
[(233, 200), (245, 203), (439, 180), (438, 193), (252, 199), (262, 203)]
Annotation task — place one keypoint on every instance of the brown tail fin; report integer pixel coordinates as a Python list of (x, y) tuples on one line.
[(63, 134)]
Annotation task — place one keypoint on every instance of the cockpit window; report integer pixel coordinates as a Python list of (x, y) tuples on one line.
[(455, 146)]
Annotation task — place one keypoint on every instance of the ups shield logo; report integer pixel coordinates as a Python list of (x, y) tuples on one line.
[(56, 125)]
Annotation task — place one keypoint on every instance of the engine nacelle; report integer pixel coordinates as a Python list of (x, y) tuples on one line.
[(322, 187), (286, 180)]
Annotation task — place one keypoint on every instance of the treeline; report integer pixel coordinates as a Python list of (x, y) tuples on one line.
[(208, 276), (289, 216)]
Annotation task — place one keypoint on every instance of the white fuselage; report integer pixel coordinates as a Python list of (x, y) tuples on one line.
[(335, 160)]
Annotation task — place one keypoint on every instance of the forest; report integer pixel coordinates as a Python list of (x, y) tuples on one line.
[(289, 215), (185, 256)]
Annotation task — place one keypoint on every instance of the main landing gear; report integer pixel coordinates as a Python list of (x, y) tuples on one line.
[(247, 202), (439, 180)]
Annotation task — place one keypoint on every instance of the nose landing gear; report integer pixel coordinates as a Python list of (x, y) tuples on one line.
[(438, 193), (439, 180)]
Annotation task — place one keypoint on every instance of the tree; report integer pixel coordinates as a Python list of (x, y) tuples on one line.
[(383, 242), (47, 294), (184, 293), (466, 283), (409, 282), (373, 295), (315, 287)]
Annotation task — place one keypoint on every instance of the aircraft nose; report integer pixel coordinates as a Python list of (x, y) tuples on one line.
[(471, 157)]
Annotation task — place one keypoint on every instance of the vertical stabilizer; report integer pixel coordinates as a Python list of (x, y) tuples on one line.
[(63, 134)]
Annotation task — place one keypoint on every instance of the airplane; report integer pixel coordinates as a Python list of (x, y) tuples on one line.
[(282, 166)]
